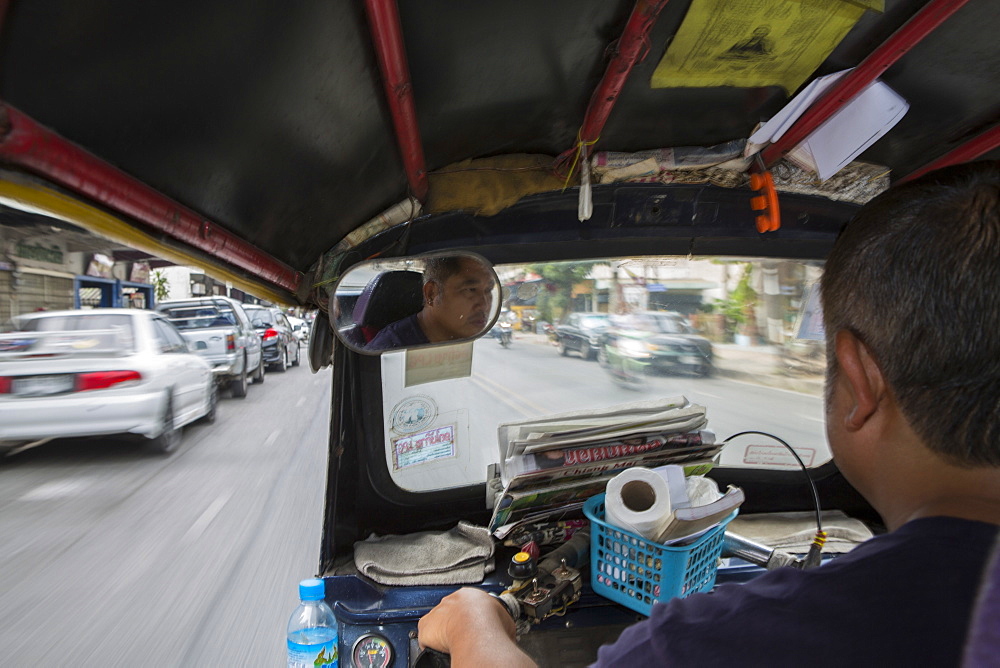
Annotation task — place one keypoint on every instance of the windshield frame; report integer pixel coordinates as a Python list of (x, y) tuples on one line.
[(532, 231)]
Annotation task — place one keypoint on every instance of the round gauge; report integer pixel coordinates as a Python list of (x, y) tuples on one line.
[(371, 651)]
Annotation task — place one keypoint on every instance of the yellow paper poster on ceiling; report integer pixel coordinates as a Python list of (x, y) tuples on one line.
[(750, 43)]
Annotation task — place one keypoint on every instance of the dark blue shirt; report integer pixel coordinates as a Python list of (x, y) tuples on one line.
[(400, 334), (902, 599)]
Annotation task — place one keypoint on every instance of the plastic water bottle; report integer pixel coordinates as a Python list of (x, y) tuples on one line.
[(312, 629)]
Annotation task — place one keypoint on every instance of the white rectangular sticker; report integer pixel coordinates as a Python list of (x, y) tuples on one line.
[(423, 447), (776, 455)]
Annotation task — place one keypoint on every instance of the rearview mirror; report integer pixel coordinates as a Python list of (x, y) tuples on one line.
[(413, 302)]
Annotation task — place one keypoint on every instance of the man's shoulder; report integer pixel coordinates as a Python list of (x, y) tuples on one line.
[(405, 332), (924, 574)]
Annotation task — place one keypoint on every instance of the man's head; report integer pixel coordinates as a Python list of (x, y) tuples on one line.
[(913, 283), (458, 296)]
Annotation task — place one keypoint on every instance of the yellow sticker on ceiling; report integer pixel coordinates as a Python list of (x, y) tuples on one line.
[(750, 43)]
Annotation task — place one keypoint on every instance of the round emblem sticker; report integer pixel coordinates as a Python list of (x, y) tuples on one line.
[(413, 414)]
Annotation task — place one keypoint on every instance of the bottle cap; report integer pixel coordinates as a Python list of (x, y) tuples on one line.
[(312, 590)]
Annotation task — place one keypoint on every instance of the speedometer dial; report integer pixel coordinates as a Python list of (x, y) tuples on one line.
[(372, 651)]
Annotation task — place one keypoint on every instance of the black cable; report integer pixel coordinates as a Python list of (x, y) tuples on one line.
[(805, 469)]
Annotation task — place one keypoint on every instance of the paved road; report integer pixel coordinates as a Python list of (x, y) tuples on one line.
[(531, 379), (111, 557)]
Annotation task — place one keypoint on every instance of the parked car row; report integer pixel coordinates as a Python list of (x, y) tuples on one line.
[(661, 340), (127, 371)]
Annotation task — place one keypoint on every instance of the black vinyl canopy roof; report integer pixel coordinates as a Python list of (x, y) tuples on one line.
[(269, 120)]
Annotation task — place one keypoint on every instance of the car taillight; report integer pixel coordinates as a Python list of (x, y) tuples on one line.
[(230, 342), (4, 384), (99, 380), (270, 333)]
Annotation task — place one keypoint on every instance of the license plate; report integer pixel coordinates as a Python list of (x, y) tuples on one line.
[(690, 359), (41, 386)]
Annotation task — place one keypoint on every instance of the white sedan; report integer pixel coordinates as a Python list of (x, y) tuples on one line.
[(300, 328), (100, 372)]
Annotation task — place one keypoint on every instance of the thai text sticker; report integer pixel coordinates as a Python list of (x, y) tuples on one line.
[(423, 447)]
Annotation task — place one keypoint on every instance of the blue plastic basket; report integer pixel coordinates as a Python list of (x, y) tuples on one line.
[(633, 571)]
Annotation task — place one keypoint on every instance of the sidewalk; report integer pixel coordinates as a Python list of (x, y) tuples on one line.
[(761, 365)]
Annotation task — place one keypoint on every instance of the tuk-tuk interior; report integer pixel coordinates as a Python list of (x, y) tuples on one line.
[(284, 146)]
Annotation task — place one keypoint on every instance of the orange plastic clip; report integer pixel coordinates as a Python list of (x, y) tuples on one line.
[(766, 202)]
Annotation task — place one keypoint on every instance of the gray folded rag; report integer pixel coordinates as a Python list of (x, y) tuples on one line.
[(462, 555), (794, 531)]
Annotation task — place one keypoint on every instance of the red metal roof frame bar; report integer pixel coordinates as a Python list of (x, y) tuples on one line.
[(387, 36), (878, 61), (970, 150), (633, 45), (26, 144)]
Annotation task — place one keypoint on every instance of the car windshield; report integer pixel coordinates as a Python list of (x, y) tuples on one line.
[(663, 324), (592, 321), (200, 316), (82, 322), (752, 355), (261, 318)]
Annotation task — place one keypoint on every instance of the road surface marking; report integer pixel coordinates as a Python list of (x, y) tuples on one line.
[(206, 518), (301, 401), (770, 387), (271, 438), (505, 398)]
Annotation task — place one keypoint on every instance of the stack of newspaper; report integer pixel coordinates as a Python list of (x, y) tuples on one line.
[(550, 466)]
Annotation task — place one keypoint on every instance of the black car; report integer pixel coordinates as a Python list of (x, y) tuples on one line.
[(581, 332), (662, 339), (279, 343)]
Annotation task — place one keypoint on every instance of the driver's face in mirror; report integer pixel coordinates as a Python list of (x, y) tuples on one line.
[(453, 300), (458, 298)]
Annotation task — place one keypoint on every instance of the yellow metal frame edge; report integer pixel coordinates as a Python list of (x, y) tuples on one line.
[(103, 224)]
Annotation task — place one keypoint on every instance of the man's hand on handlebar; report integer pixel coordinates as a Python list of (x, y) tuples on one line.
[(474, 628)]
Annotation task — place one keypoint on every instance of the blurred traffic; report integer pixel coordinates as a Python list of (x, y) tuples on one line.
[(138, 373)]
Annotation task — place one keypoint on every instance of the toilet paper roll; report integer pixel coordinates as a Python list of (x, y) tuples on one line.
[(638, 500)]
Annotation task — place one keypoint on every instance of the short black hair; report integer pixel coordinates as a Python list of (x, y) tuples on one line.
[(916, 276), (440, 269)]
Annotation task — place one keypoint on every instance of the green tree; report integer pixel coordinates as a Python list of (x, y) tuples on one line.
[(161, 286), (739, 306), (560, 277)]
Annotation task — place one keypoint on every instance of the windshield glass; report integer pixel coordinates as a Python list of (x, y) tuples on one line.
[(591, 321), (662, 324), (745, 343), (260, 317), (200, 317)]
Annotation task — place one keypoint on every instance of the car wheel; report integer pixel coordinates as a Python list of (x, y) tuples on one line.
[(258, 374), (563, 349), (238, 385), (282, 362), (588, 353), (213, 404), (602, 356), (298, 353), (170, 436)]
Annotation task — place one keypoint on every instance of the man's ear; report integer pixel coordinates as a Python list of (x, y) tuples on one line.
[(862, 376), (430, 292)]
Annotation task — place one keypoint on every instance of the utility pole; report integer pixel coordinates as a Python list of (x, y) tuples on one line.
[(772, 301)]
